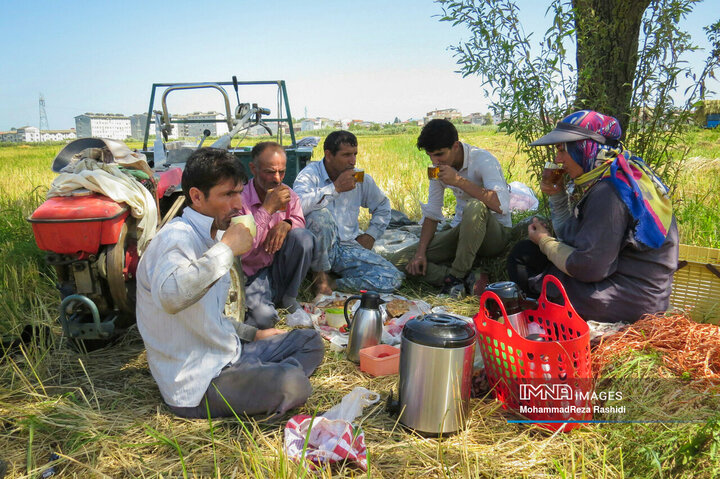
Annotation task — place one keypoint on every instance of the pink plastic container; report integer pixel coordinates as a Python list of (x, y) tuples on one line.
[(380, 360)]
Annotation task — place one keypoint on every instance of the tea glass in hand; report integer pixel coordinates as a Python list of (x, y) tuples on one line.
[(552, 175), (433, 172), (359, 175), (283, 207), (248, 221)]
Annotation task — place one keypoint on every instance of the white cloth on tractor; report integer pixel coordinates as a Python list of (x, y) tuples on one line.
[(127, 158), (109, 180)]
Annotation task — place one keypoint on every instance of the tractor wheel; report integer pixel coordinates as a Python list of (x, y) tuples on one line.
[(121, 290), (235, 302)]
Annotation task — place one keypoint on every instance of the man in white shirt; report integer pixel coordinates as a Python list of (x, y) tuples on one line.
[(331, 197), (200, 358), (481, 226)]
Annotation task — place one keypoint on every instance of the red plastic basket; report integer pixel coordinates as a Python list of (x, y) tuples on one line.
[(547, 380)]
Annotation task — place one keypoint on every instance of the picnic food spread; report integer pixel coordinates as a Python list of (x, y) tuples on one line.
[(397, 307)]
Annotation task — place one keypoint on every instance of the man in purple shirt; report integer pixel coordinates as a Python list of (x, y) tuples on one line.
[(283, 249)]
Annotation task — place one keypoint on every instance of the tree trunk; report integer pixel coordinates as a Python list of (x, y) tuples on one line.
[(607, 34)]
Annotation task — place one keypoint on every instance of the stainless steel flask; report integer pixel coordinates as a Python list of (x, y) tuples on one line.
[(436, 365), (515, 304), (366, 325)]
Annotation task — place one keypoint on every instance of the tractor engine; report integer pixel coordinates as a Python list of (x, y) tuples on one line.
[(91, 243)]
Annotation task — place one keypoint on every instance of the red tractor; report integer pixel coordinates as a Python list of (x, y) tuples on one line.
[(92, 239)]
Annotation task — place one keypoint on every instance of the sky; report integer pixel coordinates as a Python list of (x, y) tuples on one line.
[(369, 59)]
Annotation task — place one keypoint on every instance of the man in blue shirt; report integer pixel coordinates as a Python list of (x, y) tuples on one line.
[(331, 197)]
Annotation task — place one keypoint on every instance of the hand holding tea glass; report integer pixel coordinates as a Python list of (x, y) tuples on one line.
[(277, 199), (345, 181), (448, 175), (551, 181), (359, 175), (239, 235)]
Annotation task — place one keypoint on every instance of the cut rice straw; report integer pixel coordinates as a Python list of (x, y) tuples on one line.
[(687, 347)]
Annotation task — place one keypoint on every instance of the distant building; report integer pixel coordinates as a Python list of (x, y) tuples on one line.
[(58, 135), (474, 118), (328, 123), (138, 123), (18, 135), (309, 124), (113, 126), (28, 133), (446, 114), (194, 130), (31, 134), (479, 119)]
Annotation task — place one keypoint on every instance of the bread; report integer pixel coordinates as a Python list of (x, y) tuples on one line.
[(397, 307)]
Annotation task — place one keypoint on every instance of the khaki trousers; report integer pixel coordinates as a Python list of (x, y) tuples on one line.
[(457, 250)]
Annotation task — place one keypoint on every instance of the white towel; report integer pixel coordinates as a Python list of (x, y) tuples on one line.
[(109, 180)]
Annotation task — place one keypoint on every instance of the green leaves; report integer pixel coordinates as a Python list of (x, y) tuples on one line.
[(705, 440), (533, 84), (528, 83)]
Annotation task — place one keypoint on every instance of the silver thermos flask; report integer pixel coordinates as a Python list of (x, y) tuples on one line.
[(436, 366), (515, 304), (366, 326)]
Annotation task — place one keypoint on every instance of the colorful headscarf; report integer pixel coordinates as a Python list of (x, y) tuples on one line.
[(585, 152), (638, 186)]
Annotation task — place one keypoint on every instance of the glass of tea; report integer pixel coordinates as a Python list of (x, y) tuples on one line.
[(248, 221), (552, 175), (359, 175), (433, 172)]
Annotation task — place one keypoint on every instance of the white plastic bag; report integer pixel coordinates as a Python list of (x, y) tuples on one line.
[(352, 404), (299, 318), (338, 342), (522, 198)]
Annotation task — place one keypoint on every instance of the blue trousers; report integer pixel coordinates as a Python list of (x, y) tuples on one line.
[(358, 268)]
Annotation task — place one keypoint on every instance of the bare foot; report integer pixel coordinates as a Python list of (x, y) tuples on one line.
[(323, 284)]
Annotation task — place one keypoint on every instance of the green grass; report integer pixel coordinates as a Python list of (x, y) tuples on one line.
[(703, 143), (101, 412)]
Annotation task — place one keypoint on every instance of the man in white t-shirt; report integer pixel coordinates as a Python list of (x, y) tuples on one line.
[(481, 226)]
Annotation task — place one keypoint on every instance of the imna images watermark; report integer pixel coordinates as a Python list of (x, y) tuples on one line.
[(569, 401), (630, 400)]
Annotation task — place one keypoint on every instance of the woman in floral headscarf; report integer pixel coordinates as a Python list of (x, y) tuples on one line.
[(616, 244)]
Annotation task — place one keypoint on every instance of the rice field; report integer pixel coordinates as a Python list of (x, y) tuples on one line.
[(101, 413)]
